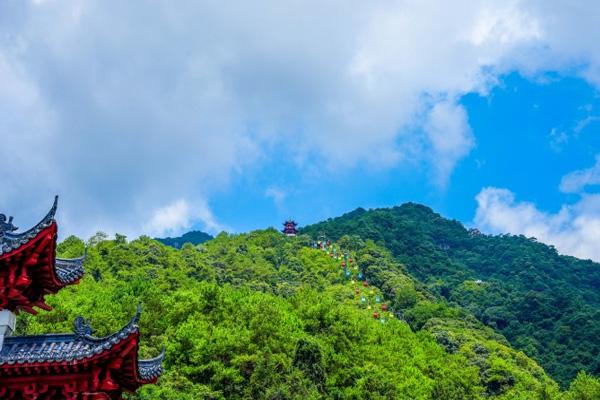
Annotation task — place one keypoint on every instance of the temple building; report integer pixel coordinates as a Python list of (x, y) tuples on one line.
[(58, 366), (289, 228)]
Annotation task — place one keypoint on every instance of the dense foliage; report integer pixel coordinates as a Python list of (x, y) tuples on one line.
[(545, 304), (193, 237), (261, 315)]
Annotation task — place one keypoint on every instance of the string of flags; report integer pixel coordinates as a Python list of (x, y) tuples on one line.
[(366, 296)]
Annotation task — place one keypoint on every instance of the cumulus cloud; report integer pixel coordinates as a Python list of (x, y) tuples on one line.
[(180, 215), (173, 217), (574, 230), (204, 215), (568, 35), (123, 107), (450, 136)]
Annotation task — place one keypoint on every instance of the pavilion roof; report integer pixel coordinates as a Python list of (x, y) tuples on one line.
[(76, 348), (10, 241), (28, 267)]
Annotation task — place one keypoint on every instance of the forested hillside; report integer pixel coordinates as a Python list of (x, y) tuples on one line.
[(264, 316), (545, 304)]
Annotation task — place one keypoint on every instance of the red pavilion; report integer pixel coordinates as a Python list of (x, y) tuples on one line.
[(289, 228), (58, 366)]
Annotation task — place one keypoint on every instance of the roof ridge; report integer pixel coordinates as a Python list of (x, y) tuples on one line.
[(83, 330), (11, 241)]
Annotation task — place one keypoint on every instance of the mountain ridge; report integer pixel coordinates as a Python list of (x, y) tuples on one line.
[(525, 290), (194, 237), (262, 315)]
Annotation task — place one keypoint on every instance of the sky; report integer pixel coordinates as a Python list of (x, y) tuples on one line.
[(160, 117)]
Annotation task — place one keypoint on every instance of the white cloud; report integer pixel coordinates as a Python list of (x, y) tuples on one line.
[(277, 194), (574, 230), (171, 218), (450, 136), (568, 32), (180, 216), (577, 181), (205, 216), (122, 107), (505, 25), (584, 123), (559, 136)]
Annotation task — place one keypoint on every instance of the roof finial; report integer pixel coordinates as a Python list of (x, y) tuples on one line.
[(137, 315), (82, 328), (54, 207), (6, 226)]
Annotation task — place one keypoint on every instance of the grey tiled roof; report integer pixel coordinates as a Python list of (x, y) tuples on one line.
[(69, 270), (78, 346), (47, 348), (10, 241), (152, 368)]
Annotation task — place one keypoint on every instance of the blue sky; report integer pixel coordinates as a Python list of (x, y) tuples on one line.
[(199, 114), (518, 128)]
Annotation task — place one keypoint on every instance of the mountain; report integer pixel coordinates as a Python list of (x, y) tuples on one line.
[(545, 304), (193, 237), (265, 316)]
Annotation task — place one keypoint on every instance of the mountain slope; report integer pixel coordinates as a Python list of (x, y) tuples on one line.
[(545, 304), (193, 237), (264, 316)]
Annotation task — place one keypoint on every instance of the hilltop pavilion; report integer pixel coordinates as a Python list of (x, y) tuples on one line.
[(289, 228)]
